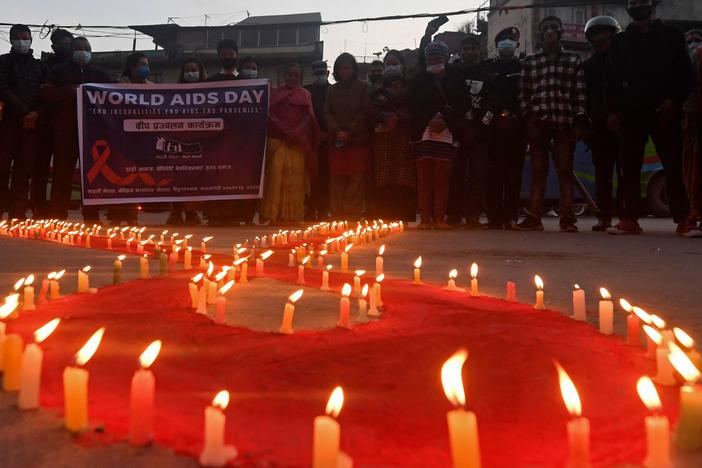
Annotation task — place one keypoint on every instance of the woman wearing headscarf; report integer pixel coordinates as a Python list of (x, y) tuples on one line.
[(291, 151), (346, 115)]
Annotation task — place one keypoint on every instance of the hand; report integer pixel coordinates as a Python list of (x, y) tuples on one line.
[(343, 136), (29, 121), (613, 122), (431, 29)]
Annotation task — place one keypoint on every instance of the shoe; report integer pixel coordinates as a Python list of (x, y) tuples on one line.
[(192, 218), (569, 227), (530, 223), (602, 226), (174, 219), (685, 226), (625, 227), (443, 225), (424, 225), (696, 232)]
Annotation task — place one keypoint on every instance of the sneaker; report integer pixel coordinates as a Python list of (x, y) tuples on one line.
[(530, 224), (424, 225), (602, 226), (685, 226), (443, 225), (625, 227), (569, 227), (696, 232)]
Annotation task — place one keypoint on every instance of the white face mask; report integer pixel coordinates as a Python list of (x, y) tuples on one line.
[(191, 77), (393, 69), (21, 46), (82, 57), (247, 73), (436, 68)]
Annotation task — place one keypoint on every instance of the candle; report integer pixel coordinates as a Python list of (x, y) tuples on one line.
[(117, 270), (327, 433), (203, 244), (417, 271), (243, 276), (173, 238), (260, 262), (606, 310), (539, 293), (75, 386), (633, 324), (45, 287), (378, 291), (55, 286), (173, 260), (345, 307), (163, 234), (687, 436), (83, 280), (202, 297), (325, 278), (30, 381), (222, 302), (301, 270), (579, 312), (192, 289), (140, 247), (462, 424), (379, 260), (657, 431), (141, 420), (12, 362), (289, 312), (345, 258), (357, 282), (664, 375), (109, 241), (688, 345), (511, 294), (186, 238), (28, 303), (162, 264), (188, 259), (291, 258), (6, 309), (216, 452), (144, 267), (451, 286), (320, 259), (363, 305), (474, 280), (578, 427)]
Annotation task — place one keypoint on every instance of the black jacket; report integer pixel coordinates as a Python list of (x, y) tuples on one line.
[(319, 94), (221, 77), (595, 87), (643, 69), (429, 95), (505, 84), (480, 93), (21, 76)]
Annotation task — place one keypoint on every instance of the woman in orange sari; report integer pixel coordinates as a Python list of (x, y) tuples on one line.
[(291, 153)]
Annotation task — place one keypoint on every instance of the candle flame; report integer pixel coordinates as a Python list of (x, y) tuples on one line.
[(452, 379), (538, 282), (43, 332), (88, 350), (18, 284), (605, 294), (658, 322), (188, 236), (682, 363), (266, 254), (346, 290), (653, 334), (51, 275), (294, 297), (11, 303), (474, 270), (221, 400), (121, 257), (197, 277), (206, 257), (453, 274), (58, 275), (220, 276), (86, 269), (329, 267), (380, 278), (625, 305), (305, 260), (683, 338), (569, 392), (359, 273), (418, 262), (576, 286), (335, 402), (29, 280), (644, 316), (207, 239), (163, 233), (348, 247), (223, 290), (210, 269), (240, 261), (648, 394), (147, 358), (364, 291), (381, 250)]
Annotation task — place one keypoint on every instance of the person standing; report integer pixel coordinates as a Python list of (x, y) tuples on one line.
[(552, 97), (317, 204), (21, 76), (601, 140), (375, 74), (60, 91), (437, 104), (346, 115), (508, 139), (692, 134), (649, 75), (291, 159)]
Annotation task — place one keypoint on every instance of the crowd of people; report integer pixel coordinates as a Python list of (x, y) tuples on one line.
[(449, 141)]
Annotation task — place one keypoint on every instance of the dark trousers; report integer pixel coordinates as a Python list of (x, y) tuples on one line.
[(40, 177), (65, 158), (18, 149), (667, 136), (457, 194), (504, 173), (317, 203), (433, 177), (545, 138), (604, 146)]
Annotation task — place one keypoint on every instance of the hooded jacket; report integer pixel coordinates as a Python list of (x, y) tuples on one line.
[(21, 76)]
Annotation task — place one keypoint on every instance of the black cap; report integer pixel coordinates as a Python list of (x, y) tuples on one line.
[(507, 33)]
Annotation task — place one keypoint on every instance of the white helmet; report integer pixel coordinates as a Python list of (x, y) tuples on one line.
[(601, 22)]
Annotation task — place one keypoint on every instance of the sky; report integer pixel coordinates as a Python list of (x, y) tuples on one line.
[(357, 38)]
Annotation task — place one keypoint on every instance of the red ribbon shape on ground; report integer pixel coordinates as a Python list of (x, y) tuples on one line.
[(100, 153)]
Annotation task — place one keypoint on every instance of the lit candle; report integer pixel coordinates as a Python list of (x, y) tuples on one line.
[(357, 282), (462, 424), (186, 239), (202, 297), (141, 421), (345, 258), (645, 319), (325, 278), (539, 293), (188, 259), (633, 324), (203, 244), (657, 431), (140, 247), (6, 309), (451, 286), (30, 381), (173, 260), (291, 258), (664, 375), (320, 259), (474, 280), (12, 360), (327, 433), (55, 286), (83, 279), (144, 267), (216, 452), (162, 264), (117, 270), (45, 287), (222, 302), (75, 386), (579, 312), (163, 238), (417, 270), (260, 262), (109, 241), (379, 260), (301, 270), (688, 345), (289, 312), (363, 304), (378, 295), (28, 303), (606, 310), (204, 261), (689, 428), (244, 275), (578, 427), (173, 238), (511, 294), (345, 307), (192, 289)]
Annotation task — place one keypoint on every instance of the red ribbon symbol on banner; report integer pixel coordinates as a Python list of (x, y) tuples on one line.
[(101, 153)]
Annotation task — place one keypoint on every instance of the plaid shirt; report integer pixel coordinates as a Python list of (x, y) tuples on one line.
[(552, 90)]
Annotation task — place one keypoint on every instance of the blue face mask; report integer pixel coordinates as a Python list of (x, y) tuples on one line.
[(506, 44), (143, 71)]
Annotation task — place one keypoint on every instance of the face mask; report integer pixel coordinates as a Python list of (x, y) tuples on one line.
[(249, 74), (435, 69), (191, 77), (390, 69), (227, 63), (692, 46), (506, 44), (82, 57), (143, 71), (320, 79), (21, 46), (640, 12)]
